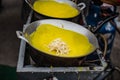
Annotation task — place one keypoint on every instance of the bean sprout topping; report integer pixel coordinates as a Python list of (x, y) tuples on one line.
[(59, 46)]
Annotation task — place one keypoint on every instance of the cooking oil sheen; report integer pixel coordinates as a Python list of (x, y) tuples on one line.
[(78, 44), (55, 9)]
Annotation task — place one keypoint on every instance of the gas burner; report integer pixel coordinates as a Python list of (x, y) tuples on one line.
[(86, 68), (26, 68)]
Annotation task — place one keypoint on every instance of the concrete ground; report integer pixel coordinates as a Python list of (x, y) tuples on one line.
[(10, 21)]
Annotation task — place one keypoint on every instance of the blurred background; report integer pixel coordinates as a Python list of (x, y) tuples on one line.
[(11, 19)]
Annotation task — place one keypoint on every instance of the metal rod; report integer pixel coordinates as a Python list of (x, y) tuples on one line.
[(103, 22)]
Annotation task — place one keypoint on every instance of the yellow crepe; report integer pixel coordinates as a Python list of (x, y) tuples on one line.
[(55, 9), (78, 44)]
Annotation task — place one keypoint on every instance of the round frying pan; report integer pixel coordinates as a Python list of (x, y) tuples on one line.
[(79, 7), (59, 23)]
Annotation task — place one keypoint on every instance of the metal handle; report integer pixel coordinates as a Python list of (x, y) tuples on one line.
[(81, 6), (29, 3), (20, 35)]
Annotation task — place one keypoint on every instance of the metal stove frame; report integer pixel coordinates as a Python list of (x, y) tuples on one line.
[(27, 71)]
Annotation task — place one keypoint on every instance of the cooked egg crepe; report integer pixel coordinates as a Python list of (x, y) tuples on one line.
[(55, 9), (60, 42)]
